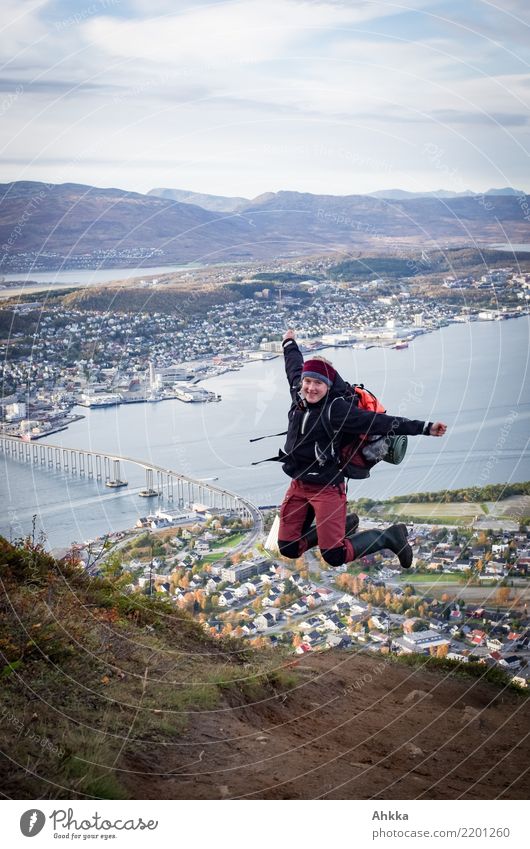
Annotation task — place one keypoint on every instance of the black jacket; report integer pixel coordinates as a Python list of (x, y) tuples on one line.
[(309, 451)]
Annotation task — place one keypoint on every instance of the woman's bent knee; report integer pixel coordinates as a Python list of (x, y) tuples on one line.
[(289, 548), (334, 556)]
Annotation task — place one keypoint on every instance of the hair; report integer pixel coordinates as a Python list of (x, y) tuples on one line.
[(323, 360)]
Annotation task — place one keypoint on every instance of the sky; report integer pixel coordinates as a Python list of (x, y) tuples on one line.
[(248, 96)]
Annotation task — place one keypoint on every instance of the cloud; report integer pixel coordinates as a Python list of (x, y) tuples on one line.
[(54, 87), (242, 97), (505, 25), (231, 33), (505, 119)]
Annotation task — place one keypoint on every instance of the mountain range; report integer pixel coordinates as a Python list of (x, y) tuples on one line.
[(219, 203), (70, 225)]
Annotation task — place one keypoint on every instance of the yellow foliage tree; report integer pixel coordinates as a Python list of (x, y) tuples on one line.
[(342, 581), (502, 596)]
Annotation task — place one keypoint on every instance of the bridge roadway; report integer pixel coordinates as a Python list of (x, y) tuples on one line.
[(161, 483)]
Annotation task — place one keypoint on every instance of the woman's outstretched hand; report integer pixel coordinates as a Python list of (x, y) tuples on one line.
[(438, 429)]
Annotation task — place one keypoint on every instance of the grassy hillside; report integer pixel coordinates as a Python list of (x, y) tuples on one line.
[(110, 695), (91, 676), (419, 264), (130, 299)]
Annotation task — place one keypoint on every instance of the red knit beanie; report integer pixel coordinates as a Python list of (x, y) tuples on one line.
[(319, 370)]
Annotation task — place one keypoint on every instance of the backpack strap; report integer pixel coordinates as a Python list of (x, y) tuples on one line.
[(278, 458), (330, 432), (268, 436)]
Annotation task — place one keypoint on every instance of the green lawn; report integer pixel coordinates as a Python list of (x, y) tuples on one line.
[(211, 558), (229, 542), (416, 578)]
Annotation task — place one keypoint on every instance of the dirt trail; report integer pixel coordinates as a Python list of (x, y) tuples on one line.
[(354, 727)]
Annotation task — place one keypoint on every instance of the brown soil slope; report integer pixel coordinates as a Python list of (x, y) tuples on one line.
[(353, 727)]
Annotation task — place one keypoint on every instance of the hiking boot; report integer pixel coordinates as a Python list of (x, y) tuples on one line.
[(352, 523), (394, 538)]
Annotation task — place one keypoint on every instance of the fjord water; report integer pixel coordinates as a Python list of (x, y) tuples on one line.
[(472, 376)]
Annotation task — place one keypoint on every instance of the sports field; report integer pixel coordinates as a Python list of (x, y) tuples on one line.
[(516, 507), (453, 510), (429, 580)]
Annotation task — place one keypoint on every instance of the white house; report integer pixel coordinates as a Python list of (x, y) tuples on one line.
[(264, 621), (420, 642), (226, 599)]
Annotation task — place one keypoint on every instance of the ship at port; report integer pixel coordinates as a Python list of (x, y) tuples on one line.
[(194, 395), (103, 399)]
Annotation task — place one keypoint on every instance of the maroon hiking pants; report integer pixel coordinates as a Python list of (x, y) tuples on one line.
[(329, 505)]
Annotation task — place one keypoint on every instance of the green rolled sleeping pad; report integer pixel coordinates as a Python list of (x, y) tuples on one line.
[(397, 448)]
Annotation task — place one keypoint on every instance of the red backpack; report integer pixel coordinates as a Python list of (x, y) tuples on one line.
[(357, 455)]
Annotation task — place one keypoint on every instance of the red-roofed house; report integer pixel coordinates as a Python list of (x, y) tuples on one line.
[(478, 638)]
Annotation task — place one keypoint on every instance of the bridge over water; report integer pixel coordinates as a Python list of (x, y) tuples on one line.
[(164, 485)]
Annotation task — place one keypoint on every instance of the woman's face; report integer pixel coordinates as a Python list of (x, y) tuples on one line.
[(313, 390)]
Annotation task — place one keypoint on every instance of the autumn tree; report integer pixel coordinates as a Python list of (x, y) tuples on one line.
[(173, 581), (343, 581), (379, 595), (502, 596)]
